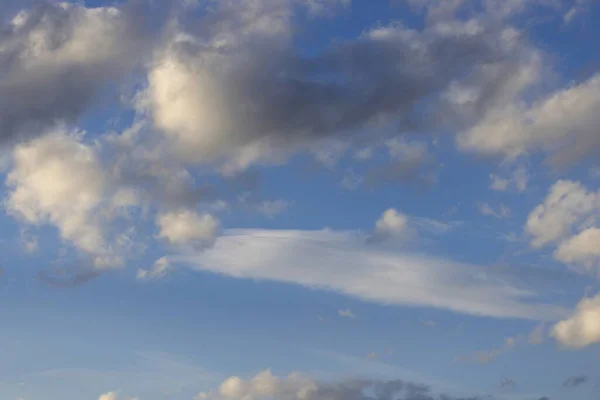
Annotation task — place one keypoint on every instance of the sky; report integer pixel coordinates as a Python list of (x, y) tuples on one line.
[(299, 200)]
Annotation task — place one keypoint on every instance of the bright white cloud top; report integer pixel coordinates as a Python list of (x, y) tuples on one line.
[(185, 147)]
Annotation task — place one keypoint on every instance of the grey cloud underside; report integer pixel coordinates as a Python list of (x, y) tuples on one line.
[(388, 76), (54, 66), (379, 390)]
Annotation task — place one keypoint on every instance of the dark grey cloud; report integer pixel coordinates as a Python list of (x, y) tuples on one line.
[(389, 76), (574, 381), (55, 59)]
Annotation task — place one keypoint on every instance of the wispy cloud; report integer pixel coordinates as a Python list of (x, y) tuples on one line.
[(340, 261)]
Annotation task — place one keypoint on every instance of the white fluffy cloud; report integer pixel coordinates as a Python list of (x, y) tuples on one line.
[(583, 248), (115, 396), (567, 204), (342, 262), (583, 327), (58, 180), (187, 227), (567, 218), (391, 223), (563, 124)]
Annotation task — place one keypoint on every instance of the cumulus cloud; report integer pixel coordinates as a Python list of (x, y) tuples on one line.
[(342, 262), (299, 387), (563, 125), (54, 59), (108, 396), (115, 396), (583, 248), (187, 227), (391, 224), (582, 328), (56, 179), (236, 93), (567, 218)]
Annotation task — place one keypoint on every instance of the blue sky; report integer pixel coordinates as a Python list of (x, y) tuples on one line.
[(303, 200)]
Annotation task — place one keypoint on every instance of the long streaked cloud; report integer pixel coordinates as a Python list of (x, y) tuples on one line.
[(342, 262)]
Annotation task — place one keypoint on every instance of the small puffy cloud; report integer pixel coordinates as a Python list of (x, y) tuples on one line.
[(347, 313), (187, 227), (582, 328), (115, 396), (566, 218), (567, 203), (391, 223), (160, 269)]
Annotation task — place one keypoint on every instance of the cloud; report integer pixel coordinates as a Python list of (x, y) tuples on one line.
[(241, 53), (582, 328), (347, 313), (484, 357), (56, 179), (160, 269), (187, 227), (298, 387), (566, 204), (574, 381), (342, 262), (562, 125), (566, 218), (115, 396), (583, 248), (55, 57), (503, 212), (517, 180), (391, 224)]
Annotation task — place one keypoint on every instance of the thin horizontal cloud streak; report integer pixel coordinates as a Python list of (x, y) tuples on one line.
[(343, 263)]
